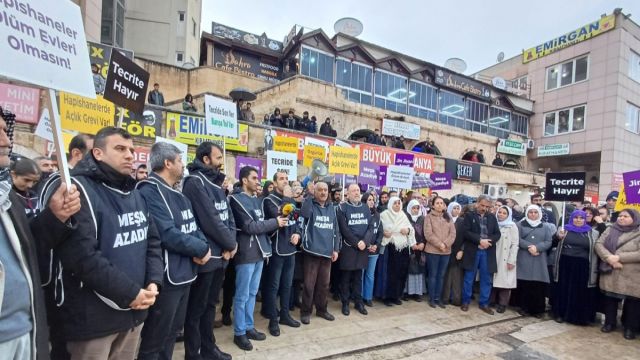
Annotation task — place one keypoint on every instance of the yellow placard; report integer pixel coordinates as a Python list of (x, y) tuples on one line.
[(312, 152), (585, 32), (85, 115), (344, 160), (285, 144), (621, 204), (192, 130)]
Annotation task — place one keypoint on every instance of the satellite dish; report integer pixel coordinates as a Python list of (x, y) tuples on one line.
[(348, 26), (188, 65), (500, 56), (456, 64)]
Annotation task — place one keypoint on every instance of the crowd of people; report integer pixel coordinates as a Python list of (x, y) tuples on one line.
[(126, 259)]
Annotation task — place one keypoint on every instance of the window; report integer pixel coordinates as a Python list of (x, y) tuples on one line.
[(520, 83), (476, 114), (634, 66), (564, 121), (179, 57), (180, 15), (391, 91), (499, 122), (519, 124), (355, 79), (452, 109), (316, 64), (633, 118), (195, 27), (112, 23), (425, 102), (568, 73)]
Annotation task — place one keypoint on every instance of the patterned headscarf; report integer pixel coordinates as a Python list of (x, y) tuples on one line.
[(5, 177)]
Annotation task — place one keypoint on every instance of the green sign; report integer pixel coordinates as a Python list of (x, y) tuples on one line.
[(511, 147), (553, 150)]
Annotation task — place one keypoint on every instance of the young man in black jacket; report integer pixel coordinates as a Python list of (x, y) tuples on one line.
[(112, 262), (215, 220), (184, 248), (253, 248)]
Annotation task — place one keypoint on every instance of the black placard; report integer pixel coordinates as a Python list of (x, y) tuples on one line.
[(568, 186), (126, 83), (462, 170)]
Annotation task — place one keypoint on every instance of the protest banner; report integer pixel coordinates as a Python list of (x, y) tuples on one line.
[(632, 186), (23, 101), (85, 115), (282, 161), (43, 129), (285, 144), (221, 117), (191, 130), (100, 54), (400, 177), (313, 152), (126, 84), (242, 161), (141, 156), (423, 163), (344, 160), (569, 186), (369, 173), (442, 181), (622, 203)]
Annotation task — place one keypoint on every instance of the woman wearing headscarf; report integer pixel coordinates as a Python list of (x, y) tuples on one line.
[(415, 280), (575, 273), (440, 233), (595, 220), (452, 286), (619, 249), (531, 267), (506, 255), (374, 249), (398, 237)]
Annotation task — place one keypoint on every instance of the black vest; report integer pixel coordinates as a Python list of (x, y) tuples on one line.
[(281, 239), (358, 218)]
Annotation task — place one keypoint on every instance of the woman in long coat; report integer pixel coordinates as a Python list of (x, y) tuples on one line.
[(415, 280), (506, 255)]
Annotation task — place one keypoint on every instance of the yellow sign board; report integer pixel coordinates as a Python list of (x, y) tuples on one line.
[(85, 115), (192, 130), (312, 152), (285, 144), (585, 32), (621, 204), (344, 160)]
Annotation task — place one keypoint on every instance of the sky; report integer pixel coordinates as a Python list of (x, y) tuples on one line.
[(473, 30)]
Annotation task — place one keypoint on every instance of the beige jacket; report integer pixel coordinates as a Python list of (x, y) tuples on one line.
[(622, 281), (437, 230)]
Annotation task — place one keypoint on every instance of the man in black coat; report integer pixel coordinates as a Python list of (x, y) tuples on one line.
[(481, 233)]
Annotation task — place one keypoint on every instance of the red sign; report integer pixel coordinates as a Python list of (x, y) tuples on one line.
[(301, 140), (22, 101), (141, 155), (380, 155)]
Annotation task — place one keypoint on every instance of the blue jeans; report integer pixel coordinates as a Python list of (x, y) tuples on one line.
[(485, 280), (244, 302), (436, 268), (279, 277), (368, 276)]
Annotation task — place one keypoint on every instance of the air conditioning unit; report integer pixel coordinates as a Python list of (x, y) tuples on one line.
[(495, 191), (531, 144)]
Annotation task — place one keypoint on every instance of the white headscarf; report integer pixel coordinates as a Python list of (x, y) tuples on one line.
[(450, 210), (538, 221), (410, 206), (393, 222), (509, 220)]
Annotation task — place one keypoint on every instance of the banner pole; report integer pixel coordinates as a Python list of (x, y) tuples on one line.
[(58, 142), (120, 117), (344, 180), (564, 205), (224, 153)]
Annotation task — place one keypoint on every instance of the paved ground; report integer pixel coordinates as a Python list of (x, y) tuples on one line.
[(416, 331)]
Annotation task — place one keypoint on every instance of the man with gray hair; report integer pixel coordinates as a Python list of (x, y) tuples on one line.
[(184, 245)]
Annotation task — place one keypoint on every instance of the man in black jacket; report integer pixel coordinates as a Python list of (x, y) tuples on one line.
[(184, 245), (279, 273), (214, 218), (253, 248), (481, 233), (112, 262)]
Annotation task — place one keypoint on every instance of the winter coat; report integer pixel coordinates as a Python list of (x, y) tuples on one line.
[(472, 240), (321, 234), (327, 130), (529, 267), (253, 242), (438, 230), (507, 253), (457, 243), (622, 281), (355, 224)]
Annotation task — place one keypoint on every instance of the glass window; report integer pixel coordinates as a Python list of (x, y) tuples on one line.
[(578, 119), (565, 121), (520, 124), (634, 66), (424, 102), (179, 57), (477, 111), (180, 15), (520, 83), (568, 73), (391, 92), (317, 65), (633, 118), (452, 109), (549, 124), (356, 79)]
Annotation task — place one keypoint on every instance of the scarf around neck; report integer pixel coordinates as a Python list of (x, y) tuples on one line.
[(394, 222), (578, 229), (509, 220)]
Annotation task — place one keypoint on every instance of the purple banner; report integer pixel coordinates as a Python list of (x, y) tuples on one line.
[(403, 159), (382, 175), (369, 173), (349, 179), (242, 161), (442, 181), (632, 186)]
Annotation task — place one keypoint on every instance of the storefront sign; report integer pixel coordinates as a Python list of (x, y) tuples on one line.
[(141, 156), (282, 161), (344, 160), (313, 152), (632, 186), (622, 203), (221, 116), (230, 33), (583, 33), (511, 147), (423, 163), (44, 45), (191, 130), (242, 161), (400, 177), (441, 181), (126, 84), (24, 102), (400, 128), (100, 54), (285, 144), (462, 84), (568, 186), (553, 150), (462, 170), (145, 125), (85, 115), (240, 62), (369, 174)]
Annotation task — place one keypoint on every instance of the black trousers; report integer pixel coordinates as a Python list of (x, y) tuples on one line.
[(630, 312), (164, 321), (199, 340), (228, 288), (397, 272), (531, 296), (351, 286)]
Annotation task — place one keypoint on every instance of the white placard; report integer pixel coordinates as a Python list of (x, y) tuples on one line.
[(317, 142), (400, 128), (278, 160), (184, 148), (400, 177), (44, 126), (44, 44), (339, 142), (221, 117)]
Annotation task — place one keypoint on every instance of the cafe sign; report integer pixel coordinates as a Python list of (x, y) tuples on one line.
[(239, 62), (462, 84), (506, 146), (553, 150)]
